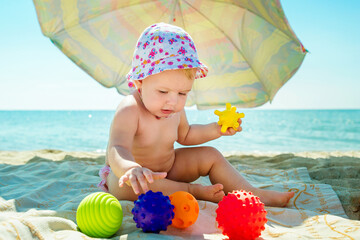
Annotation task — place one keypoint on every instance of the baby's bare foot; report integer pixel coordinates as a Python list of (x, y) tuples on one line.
[(213, 193), (274, 198)]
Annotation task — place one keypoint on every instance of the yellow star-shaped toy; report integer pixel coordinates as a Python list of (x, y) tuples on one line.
[(229, 118)]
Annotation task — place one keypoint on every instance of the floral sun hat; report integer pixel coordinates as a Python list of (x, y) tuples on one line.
[(164, 47)]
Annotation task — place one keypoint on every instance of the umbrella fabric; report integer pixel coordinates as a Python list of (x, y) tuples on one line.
[(249, 47)]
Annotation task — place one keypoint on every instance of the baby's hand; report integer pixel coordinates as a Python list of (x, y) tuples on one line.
[(231, 131), (139, 177)]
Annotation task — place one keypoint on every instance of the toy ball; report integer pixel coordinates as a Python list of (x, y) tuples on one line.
[(241, 215), (99, 215), (153, 212), (186, 209), (229, 118)]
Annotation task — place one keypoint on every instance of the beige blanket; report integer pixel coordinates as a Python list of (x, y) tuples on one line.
[(40, 192)]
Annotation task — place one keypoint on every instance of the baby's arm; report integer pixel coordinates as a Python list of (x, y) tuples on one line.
[(197, 134), (120, 159), (122, 134)]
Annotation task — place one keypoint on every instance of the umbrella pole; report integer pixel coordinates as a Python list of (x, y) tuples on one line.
[(172, 13)]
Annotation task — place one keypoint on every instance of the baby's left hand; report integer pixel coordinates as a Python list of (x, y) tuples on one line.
[(230, 131)]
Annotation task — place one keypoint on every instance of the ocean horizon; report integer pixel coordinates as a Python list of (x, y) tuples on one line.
[(269, 131)]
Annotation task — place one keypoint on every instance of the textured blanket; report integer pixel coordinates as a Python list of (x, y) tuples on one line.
[(41, 190)]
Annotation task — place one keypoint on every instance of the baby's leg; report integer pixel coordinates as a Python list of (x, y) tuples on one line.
[(212, 193), (190, 163)]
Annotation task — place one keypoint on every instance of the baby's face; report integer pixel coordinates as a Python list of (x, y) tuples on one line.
[(165, 93)]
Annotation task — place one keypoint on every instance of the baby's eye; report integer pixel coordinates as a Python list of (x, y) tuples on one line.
[(182, 94), (162, 91)]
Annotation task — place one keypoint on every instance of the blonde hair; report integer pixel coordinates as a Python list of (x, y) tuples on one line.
[(190, 73)]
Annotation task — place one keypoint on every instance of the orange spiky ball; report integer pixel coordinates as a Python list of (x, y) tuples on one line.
[(186, 209)]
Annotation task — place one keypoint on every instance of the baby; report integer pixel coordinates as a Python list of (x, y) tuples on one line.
[(140, 153)]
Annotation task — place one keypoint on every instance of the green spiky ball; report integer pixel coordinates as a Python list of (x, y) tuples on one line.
[(99, 215)]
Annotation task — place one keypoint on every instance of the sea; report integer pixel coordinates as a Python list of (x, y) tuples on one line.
[(264, 131)]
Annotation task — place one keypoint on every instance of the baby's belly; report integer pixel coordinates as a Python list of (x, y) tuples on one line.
[(156, 162)]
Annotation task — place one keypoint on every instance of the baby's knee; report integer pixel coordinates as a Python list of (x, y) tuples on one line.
[(214, 153), (210, 149)]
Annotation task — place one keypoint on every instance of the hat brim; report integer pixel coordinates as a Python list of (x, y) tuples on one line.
[(169, 63)]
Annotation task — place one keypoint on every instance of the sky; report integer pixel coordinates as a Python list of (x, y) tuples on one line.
[(36, 75)]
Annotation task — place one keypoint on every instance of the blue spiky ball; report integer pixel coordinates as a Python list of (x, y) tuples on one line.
[(153, 212)]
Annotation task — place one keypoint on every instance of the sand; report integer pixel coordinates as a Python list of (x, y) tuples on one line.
[(341, 170)]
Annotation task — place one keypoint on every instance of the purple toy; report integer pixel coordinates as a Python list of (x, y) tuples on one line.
[(153, 212)]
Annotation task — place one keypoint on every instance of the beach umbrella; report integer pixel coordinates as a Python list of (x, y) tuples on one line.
[(249, 47)]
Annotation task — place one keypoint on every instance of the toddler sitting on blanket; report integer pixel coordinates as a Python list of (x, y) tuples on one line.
[(141, 155)]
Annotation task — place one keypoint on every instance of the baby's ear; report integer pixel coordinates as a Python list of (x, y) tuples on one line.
[(138, 83)]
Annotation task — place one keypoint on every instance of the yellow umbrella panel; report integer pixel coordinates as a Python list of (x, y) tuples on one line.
[(249, 47)]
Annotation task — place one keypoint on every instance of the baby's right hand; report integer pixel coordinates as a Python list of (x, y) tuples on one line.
[(139, 177)]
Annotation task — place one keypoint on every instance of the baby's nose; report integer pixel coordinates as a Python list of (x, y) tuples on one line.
[(172, 99)]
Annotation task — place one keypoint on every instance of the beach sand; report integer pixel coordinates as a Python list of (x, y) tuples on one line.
[(341, 170), (41, 190)]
